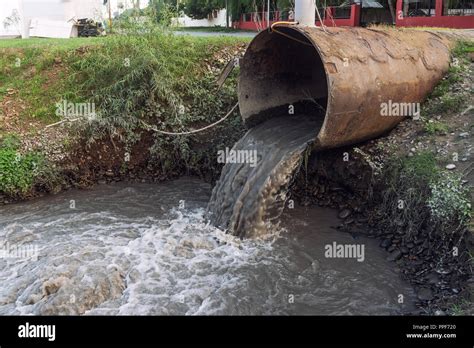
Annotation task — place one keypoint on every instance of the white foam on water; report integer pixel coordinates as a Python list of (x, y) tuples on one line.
[(118, 254), (179, 269), (174, 266)]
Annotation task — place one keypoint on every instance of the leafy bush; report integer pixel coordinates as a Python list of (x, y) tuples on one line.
[(416, 192), (436, 127), (463, 48), (449, 201), (405, 190), (19, 173), (201, 9)]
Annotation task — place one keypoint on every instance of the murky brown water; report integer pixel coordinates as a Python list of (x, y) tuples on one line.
[(249, 195), (135, 249)]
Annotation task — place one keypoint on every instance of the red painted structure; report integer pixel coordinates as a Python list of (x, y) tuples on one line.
[(352, 21), (257, 21), (438, 20), (249, 21)]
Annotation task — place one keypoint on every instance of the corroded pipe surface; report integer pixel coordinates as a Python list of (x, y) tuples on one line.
[(348, 72)]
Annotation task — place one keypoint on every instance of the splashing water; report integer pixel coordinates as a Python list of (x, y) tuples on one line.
[(248, 196), (131, 250)]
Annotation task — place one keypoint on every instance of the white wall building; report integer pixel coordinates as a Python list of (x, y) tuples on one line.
[(6, 9), (57, 14), (216, 19)]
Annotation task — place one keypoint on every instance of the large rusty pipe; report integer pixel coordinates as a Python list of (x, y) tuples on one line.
[(347, 72)]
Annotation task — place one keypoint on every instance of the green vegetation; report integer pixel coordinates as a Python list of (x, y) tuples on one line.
[(417, 191), (443, 87), (443, 99), (462, 307), (35, 77), (215, 29), (20, 172), (421, 166), (457, 310), (436, 127), (59, 44), (463, 48), (451, 103), (449, 200), (200, 9), (405, 189), (238, 7), (160, 79), (147, 74)]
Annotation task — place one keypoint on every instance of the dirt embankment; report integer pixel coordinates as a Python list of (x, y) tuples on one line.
[(146, 156)]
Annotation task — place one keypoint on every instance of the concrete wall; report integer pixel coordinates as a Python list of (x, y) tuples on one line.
[(84, 9), (49, 10), (218, 21), (54, 10), (6, 8)]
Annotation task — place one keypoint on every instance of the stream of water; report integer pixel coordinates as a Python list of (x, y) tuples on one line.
[(250, 196), (148, 249)]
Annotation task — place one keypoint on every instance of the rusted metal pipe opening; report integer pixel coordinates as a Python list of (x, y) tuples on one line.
[(282, 74), (342, 75)]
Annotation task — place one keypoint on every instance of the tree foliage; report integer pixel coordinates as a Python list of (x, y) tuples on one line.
[(161, 9), (12, 20), (200, 9)]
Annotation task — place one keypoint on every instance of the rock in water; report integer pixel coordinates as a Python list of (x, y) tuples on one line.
[(425, 294), (394, 255), (344, 213), (386, 243)]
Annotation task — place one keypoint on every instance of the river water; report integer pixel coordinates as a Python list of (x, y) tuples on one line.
[(143, 249)]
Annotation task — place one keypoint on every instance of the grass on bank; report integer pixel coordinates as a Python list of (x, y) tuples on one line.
[(66, 44), (426, 192), (443, 99), (34, 74), (44, 71), (215, 29), (416, 191), (165, 80)]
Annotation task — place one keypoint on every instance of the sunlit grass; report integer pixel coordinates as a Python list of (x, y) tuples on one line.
[(71, 43)]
